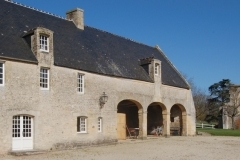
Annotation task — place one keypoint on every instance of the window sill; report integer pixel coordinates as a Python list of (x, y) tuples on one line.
[(44, 51), (44, 89), (82, 132)]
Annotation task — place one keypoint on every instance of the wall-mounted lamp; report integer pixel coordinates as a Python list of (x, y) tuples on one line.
[(103, 99)]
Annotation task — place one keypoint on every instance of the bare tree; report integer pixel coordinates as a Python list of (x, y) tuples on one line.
[(200, 99), (201, 105), (232, 109)]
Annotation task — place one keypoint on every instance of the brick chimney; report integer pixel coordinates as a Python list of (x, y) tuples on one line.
[(76, 15)]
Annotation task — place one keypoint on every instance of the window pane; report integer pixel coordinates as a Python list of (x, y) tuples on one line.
[(78, 124), (43, 42), (80, 83), (44, 78)]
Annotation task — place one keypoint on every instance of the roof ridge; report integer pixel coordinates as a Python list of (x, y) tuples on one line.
[(121, 36), (174, 67), (48, 13), (35, 9)]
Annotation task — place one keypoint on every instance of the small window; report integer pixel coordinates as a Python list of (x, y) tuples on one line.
[(99, 124), (172, 119), (1, 74), (82, 124), (80, 83), (44, 78), (44, 43), (156, 69)]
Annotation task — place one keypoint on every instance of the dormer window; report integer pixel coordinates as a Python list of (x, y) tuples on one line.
[(156, 69), (44, 44)]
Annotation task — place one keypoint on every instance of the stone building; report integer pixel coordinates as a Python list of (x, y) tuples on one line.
[(231, 111), (65, 85)]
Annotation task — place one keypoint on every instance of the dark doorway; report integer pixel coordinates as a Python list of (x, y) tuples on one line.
[(154, 117), (176, 124), (131, 110)]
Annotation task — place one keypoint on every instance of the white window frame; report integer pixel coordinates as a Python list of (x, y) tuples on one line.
[(44, 43), (3, 74), (99, 124), (44, 78), (156, 69), (82, 122), (22, 132), (80, 83), (18, 123)]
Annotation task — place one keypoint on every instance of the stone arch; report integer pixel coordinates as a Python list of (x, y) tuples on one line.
[(156, 116), (178, 120), (134, 115)]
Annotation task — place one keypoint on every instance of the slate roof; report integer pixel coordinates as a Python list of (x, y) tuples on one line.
[(90, 49)]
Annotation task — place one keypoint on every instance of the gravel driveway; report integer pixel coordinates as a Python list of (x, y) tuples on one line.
[(183, 148)]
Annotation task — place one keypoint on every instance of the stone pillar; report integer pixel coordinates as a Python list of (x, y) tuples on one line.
[(141, 124), (144, 124), (184, 125), (166, 123)]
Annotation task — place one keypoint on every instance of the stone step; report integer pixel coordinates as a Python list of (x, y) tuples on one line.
[(26, 152)]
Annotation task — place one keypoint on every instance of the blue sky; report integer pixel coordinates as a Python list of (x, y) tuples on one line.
[(200, 37)]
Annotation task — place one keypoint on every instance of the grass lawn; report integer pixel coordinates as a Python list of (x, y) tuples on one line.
[(220, 132)]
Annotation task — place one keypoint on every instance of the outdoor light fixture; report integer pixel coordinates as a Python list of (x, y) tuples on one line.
[(103, 99)]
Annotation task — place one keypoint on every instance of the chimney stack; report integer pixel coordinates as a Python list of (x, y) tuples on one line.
[(76, 15)]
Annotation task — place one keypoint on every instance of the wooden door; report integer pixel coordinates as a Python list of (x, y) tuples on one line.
[(121, 126)]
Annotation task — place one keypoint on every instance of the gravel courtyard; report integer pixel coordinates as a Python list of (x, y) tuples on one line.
[(176, 148)]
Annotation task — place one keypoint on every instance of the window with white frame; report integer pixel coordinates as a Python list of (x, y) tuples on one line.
[(99, 124), (82, 124), (44, 44), (80, 83), (1, 74), (156, 69), (44, 78)]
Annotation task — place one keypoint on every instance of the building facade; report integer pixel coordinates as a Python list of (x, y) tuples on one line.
[(55, 72), (231, 111)]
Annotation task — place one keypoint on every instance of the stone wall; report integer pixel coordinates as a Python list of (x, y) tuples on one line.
[(55, 111)]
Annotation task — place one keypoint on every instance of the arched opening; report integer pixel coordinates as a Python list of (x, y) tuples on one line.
[(129, 119), (156, 117), (177, 120)]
